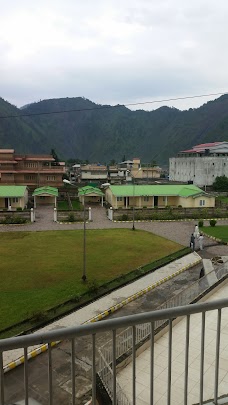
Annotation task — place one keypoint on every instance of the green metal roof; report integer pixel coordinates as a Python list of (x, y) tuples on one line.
[(12, 191), (89, 190), (46, 190), (181, 190)]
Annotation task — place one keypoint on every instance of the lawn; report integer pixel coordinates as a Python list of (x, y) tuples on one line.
[(220, 231), (63, 205), (42, 269), (224, 199)]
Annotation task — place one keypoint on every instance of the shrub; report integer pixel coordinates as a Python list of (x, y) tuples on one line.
[(124, 217), (19, 209), (13, 220), (213, 222), (71, 218), (200, 223), (93, 287), (76, 298)]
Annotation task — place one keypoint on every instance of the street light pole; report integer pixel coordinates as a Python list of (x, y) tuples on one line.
[(133, 213), (84, 244), (84, 277)]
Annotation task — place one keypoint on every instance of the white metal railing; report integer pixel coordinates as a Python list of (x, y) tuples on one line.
[(124, 340), (106, 376), (113, 325)]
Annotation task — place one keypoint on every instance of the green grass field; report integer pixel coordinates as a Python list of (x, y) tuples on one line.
[(224, 199), (63, 205), (42, 269), (220, 231)]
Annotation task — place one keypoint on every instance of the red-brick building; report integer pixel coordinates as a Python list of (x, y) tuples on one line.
[(30, 170)]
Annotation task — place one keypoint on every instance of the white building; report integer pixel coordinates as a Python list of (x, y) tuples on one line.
[(201, 164)]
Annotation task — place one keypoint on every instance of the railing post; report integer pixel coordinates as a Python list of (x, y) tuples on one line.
[(202, 358), (32, 215), (217, 357), (110, 214), (2, 397), (90, 214), (55, 215)]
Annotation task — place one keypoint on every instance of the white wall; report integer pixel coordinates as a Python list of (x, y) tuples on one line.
[(201, 170)]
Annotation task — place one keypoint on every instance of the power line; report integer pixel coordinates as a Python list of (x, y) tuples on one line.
[(110, 106)]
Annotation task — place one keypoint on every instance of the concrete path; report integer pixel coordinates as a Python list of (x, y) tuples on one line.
[(178, 231)]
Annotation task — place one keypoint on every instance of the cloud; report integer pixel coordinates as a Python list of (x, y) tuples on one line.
[(112, 51)]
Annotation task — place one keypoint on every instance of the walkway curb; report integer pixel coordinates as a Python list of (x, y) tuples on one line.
[(213, 238), (169, 220), (102, 315)]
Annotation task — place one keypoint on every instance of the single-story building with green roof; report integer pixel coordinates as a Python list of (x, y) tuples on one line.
[(45, 195), (90, 194), (150, 196), (13, 197)]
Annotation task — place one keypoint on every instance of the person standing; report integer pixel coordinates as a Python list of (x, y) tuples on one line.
[(192, 242), (200, 239), (196, 231)]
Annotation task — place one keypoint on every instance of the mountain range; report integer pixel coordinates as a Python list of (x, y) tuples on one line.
[(77, 128)]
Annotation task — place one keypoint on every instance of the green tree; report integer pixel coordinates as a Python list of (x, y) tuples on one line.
[(220, 183), (54, 154), (153, 163)]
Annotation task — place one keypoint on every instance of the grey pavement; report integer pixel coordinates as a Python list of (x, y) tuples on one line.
[(178, 231)]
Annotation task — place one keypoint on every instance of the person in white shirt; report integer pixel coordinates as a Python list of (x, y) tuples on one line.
[(200, 239), (196, 232)]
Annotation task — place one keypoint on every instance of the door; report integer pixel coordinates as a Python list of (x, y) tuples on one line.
[(155, 201), (126, 202)]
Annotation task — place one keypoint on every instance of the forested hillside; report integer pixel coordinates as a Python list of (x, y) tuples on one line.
[(103, 134)]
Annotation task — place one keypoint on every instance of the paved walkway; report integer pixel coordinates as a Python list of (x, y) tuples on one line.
[(178, 231), (143, 380)]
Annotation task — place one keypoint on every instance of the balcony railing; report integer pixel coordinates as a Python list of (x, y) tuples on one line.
[(148, 321)]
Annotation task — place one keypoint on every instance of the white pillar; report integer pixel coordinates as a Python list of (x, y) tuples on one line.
[(90, 214), (102, 201), (55, 215), (110, 211), (166, 201), (32, 215)]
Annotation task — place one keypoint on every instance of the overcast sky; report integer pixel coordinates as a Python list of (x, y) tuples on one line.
[(113, 51)]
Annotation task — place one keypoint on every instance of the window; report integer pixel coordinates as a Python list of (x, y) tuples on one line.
[(15, 200), (119, 198), (202, 203), (164, 199), (31, 164), (29, 177), (146, 198)]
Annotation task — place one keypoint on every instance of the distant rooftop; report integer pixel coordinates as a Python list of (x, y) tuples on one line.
[(202, 147), (182, 190), (12, 191)]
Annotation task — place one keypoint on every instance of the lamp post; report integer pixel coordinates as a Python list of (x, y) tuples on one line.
[(84, 277), (84, 243), (133, 212)]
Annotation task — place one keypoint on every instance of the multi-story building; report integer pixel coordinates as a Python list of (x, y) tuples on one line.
[(144, 172), (201, 164), (114, 174), (30, 170), (94, 172)]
